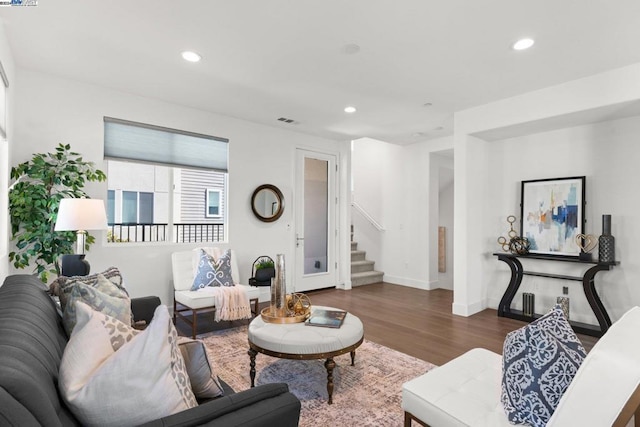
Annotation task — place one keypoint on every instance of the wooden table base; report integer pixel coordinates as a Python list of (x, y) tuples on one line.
[(329, 364)]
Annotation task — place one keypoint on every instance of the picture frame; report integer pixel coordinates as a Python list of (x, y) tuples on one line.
[(552, 215)]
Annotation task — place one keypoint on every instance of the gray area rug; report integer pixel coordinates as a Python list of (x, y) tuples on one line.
[(367, 394)]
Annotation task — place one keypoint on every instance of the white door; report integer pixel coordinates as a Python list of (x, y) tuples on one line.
[(315, 220)]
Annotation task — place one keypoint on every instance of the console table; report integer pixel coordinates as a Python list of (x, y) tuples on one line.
[(588, 286)]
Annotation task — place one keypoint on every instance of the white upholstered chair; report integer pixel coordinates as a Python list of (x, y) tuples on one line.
[(466, 390), (197, 302)]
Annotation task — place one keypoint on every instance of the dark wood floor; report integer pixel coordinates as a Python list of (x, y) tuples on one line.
[(409, 320), (420, 323)]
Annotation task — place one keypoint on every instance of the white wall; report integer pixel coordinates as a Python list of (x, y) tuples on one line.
[(371, 163), (488, 171), (6, 58), (607, 154), (392, 183), (50, 110)]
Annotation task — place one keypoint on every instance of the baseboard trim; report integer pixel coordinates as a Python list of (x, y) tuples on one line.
[(411, 283), (346, 286), (468, 310)]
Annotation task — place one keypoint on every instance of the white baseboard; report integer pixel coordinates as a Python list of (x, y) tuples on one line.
[(412, 283), (346, 286), (468, 310)]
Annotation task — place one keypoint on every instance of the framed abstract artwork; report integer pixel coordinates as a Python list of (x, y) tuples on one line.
[(552, 215)]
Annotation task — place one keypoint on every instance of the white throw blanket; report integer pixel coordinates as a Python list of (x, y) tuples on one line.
[(232, 302)]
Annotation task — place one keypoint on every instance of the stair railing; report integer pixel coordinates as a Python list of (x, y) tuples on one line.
[(368, 217)]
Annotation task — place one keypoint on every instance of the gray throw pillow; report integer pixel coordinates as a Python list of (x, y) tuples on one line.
[(104, 297), (212, 272), (62, 286), (204, 381)]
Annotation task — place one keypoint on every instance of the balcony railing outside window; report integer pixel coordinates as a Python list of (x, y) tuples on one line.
[(158, 232)]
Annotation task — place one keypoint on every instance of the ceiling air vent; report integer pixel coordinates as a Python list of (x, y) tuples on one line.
[(289, 121)]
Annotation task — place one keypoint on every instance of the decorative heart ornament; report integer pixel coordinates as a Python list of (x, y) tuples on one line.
[(586, 242)]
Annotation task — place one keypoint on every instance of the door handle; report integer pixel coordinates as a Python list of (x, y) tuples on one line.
[(298, 240)]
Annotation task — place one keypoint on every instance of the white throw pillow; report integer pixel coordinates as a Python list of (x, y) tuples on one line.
[(145, 379)]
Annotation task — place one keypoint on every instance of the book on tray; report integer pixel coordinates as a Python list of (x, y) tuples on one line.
[(326, 318)]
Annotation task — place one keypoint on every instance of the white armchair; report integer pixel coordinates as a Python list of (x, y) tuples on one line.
[(466, 391), (197, 302)]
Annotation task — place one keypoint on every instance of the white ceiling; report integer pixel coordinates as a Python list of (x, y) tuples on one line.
[(265, 59)]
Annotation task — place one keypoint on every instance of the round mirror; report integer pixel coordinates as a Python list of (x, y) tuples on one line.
[(267, 203)]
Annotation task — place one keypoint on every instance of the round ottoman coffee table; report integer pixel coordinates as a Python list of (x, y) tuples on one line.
[(303, 342)]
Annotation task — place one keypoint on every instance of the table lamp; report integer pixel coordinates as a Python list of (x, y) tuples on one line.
[(79, 215)]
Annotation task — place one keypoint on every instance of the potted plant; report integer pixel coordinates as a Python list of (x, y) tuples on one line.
[(33, 207), (264, 271)]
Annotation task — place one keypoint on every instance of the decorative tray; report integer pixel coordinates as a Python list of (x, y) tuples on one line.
[(265, 313)]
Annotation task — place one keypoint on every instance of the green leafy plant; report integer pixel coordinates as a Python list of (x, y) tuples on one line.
[(33, 207), (264, 263)]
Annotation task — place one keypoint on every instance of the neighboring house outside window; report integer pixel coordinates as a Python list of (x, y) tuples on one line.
[(139, 194), (164, 184)]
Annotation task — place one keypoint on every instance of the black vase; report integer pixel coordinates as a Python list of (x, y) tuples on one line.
[(606, 242)]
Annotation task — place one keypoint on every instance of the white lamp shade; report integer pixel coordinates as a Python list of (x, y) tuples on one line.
[(81, 214)]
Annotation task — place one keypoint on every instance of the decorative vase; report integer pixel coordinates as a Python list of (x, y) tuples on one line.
[(279, 289), (606, 242), (564, 305)]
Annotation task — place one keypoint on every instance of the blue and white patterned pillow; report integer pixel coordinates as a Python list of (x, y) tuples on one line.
[(539, 362), (211, 272)]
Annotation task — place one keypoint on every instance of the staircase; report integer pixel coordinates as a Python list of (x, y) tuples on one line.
[(362, 272)]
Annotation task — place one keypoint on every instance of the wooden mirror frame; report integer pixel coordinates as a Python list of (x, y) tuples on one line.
[(278, 194)]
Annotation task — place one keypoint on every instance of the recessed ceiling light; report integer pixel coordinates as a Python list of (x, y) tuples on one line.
[(350, 109), (190, 56), (523, 44)]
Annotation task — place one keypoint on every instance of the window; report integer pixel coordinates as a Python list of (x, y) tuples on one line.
[(213, 203), (111, 206), (137, 207), (129, 207), (145, 202), (156, 180)]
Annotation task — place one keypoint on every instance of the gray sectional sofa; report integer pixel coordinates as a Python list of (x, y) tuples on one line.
[(32, 341)]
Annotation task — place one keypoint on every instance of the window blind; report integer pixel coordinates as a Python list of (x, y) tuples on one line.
[(126, 140)]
